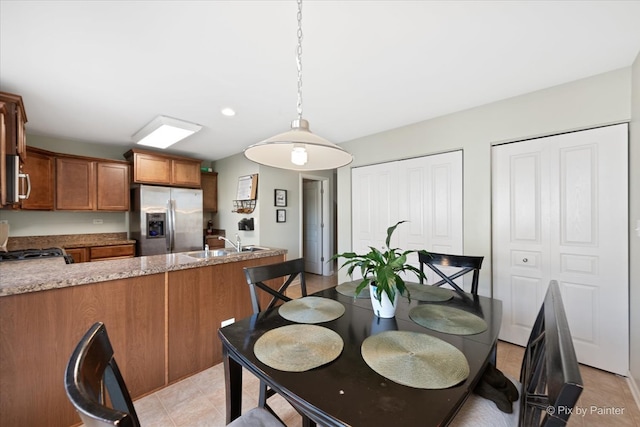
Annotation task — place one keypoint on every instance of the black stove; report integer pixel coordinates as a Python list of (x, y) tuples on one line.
[(27, 254)]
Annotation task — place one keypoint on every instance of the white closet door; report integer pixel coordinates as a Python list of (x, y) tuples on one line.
[(560, 207), (425, 191)]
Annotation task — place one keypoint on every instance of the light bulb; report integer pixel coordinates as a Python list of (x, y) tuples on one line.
[(299, 155)]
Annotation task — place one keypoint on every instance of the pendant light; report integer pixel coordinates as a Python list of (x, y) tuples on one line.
[(298, 149)]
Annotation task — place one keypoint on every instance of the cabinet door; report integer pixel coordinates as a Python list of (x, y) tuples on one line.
[(209, 183), (78, 254), (75, 184), (151, 169), (113, 186), (100, 253), (185, 173), (40, 168), (3, 146)]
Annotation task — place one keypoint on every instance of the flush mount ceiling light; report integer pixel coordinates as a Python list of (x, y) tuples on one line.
[(164, 131), (298, 149)]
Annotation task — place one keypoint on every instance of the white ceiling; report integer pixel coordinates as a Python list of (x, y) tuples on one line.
[(98, 71)]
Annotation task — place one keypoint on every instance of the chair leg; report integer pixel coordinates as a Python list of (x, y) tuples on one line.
[(262, 400)]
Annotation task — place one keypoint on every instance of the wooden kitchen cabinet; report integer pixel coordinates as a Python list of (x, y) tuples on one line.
[(15, 124), (91, 184), (40, 330), (75, 184), (199, 299), (78, 254), (102, 253), (209, 181), (157, 168), (112, 186), (40, 166)]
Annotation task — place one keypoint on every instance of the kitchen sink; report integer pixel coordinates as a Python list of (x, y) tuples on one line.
[(222, 252)]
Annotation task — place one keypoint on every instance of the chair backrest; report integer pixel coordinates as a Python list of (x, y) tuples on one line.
[(92, 379), (466, 264), (256, 276), (550, 374)]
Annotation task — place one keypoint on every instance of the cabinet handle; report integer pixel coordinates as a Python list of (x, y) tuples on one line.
[(525, 259), (25, 176)]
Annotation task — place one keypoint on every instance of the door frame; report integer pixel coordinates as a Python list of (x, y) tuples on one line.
[(327, 229)]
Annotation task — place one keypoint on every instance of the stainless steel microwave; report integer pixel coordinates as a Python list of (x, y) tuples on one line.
[(13, 180)]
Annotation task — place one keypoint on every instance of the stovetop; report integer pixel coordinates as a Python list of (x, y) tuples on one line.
[(26, 254)]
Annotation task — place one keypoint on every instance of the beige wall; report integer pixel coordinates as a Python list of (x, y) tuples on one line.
[(634, 217), (590, 102)]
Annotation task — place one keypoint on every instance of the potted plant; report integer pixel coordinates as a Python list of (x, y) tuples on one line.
[(381, 270)]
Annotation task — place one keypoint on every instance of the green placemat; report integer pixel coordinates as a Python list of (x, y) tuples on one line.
[(446, 319), (429, 293), (298, 348), (311, 310), (349, 289), (415, 360)]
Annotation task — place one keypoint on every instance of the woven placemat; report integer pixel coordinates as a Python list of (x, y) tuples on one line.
[(311, 310), (415, 360), (298, 348), (349, 289), (446, 319), (429, 293)]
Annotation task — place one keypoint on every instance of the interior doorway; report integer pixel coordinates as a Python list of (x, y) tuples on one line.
[(316, 225)]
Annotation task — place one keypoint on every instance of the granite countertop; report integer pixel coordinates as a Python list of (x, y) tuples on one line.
[(68, 241), (18, 277)]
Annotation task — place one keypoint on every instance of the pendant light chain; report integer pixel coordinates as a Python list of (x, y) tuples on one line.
[(299, 59)]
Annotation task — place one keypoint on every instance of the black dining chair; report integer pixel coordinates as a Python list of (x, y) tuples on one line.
[(465, 263), (550, 381), (92, 379), (286, 271), (95, 387)]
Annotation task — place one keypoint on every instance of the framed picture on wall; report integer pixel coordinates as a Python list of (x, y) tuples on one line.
[(281, 215), (280, 197)]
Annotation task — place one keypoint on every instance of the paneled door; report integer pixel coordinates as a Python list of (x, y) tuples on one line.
[(560, 212), (425, 191), (312, 235)]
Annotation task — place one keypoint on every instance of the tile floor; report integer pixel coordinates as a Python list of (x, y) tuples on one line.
[(200, 400)]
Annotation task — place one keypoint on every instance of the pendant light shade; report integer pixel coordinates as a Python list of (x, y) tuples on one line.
[(298, 149)]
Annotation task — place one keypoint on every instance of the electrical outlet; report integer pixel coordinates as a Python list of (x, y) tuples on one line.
[(227, 322), (97, 221)]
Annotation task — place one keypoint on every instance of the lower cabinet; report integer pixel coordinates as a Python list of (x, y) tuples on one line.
[(101, 253), (40, 330), (199, 299)]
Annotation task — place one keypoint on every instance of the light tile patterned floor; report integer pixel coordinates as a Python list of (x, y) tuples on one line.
[(200, 400)]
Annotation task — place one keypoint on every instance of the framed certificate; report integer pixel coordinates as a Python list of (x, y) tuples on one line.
[(280, 197), (281, 215)]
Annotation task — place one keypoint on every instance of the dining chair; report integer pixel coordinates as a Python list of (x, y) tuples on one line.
[(550, 381), (467, 264), (287, 271), (93, 380)]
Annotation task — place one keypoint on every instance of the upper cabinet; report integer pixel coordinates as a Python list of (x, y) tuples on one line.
[(209, 191), (150, 167), (91, 184), (15, 122), (40, 166)]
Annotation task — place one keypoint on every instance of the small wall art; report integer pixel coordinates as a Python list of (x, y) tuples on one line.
[(280, 197), (281, 215)]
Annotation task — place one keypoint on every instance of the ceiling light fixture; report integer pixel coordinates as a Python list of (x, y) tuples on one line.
[(298, 149), (228, 111), (164, 131)]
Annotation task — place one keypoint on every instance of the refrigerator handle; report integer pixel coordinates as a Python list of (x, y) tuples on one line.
[(171, 226)]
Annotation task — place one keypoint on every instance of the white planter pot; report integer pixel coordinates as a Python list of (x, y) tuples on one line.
[(385, 308)]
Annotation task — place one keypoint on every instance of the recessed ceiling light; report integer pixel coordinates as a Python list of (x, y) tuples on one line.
[(228, 112)]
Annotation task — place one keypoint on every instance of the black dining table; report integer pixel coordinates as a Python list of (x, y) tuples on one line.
[(346, 391)]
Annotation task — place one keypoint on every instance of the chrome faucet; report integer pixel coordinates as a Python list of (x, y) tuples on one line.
[(237, 245)]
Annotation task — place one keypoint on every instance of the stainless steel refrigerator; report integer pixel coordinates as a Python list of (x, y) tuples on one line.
[(165, 219)]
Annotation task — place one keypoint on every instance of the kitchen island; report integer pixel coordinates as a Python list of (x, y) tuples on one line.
[(161, 312)]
